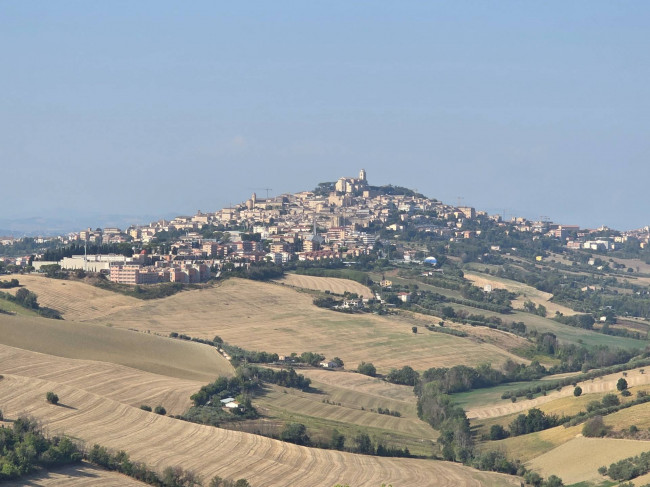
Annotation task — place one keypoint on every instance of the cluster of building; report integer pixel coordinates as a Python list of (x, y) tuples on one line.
[(338, 220)]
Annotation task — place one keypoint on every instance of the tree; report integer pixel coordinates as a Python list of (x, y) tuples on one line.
[(498, 432), (160, 410), (52, 398), (144, 407), (295, 433), (610, 400), (577, 391), (414, 329), (364, 444), (553, 481), (367, 369), (594, 427), (405, 376), (338, 361), (621, 385), (338, 440), (26, 298)]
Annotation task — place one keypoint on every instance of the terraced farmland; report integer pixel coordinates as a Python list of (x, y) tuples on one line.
[(162, 441)]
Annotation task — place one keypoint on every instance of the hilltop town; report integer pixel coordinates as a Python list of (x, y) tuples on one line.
[(344, 219)]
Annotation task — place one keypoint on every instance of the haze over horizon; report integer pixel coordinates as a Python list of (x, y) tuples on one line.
[(158, 108)]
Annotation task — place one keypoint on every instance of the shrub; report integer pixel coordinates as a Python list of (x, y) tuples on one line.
[(1, 416), (498, 432), (144, 407), (594, 428), (626, 393), (621, 385), (553, 481), (577, 391), (295, 433), (404, 376), (610, 400), (367, 369), (160, 410), (52, 398)]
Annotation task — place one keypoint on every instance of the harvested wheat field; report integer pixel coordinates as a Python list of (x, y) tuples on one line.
[(82, 475), (332, 284), (274, 318), (117, 382), (578, 460), (347, 409), (76, 301), (352, 382), (346, 400), (525, 292), (162, 441), (150, 353), (603, 384)]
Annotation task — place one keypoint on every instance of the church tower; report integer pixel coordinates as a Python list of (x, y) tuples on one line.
[(362, 175)]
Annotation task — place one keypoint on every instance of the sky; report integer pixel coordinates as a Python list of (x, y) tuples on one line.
[(133, 111)]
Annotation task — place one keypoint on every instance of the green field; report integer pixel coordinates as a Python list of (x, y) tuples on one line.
[(12, 308)]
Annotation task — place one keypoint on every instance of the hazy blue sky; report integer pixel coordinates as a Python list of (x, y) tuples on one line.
[(161, 107)]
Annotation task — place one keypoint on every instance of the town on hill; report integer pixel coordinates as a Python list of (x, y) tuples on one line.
[(345, 219)]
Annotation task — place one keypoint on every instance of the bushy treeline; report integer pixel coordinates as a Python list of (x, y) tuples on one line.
[(237, 354), (24, 448), (29, 300), (9, 284), (361, 443), (258, 272), (535, 420), (149, 291), (628, 468), (580, 357), (433, 301), (240, 355), (462, 378), (327, 302), (170, 476), (579, 321), (405, 376)]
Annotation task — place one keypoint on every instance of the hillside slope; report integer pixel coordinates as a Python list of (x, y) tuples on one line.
[(162, 441)]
